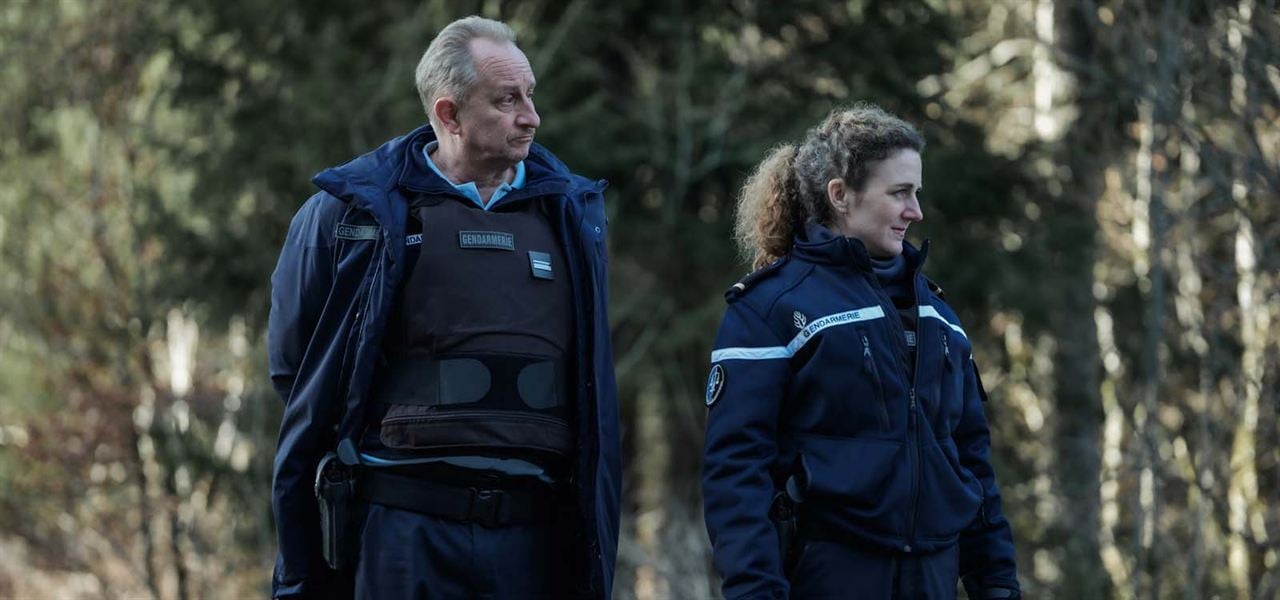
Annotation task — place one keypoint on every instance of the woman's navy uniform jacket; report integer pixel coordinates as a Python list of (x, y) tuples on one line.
[(810, 378), (338, 276)]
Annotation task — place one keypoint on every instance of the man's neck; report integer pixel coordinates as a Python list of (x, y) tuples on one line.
[(487, 177)]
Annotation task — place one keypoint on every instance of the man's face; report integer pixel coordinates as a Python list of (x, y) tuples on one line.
[(886, 206), (498, 120)]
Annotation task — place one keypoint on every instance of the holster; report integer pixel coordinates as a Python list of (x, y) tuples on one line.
[(785, 515), (336, 494)]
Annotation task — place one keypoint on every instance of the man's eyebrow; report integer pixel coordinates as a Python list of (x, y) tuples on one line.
[(513, 87)]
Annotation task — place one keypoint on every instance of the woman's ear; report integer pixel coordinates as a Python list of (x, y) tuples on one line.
[(837, 196)]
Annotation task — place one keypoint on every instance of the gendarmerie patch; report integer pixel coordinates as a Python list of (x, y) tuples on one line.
[(540, 265), (487, 240), (356, 232), (413, 240), (715, 384)]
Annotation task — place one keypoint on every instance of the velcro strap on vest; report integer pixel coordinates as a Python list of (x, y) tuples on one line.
[(420, 379), (489, 507)]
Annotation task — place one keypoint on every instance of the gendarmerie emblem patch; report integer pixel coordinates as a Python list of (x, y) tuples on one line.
[(799, 319), (715, 384), (487, 240)]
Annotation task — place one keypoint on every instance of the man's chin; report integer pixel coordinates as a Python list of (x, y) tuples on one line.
[(519, 153)]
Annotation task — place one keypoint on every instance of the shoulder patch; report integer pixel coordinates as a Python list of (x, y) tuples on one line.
[(745, 283), (715, 384)]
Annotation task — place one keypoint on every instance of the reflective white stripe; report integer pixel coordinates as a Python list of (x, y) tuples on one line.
[(869, 313), (750, 353), (932, 313)]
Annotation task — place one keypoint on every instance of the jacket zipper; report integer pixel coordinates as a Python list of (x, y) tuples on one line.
[(913, 433), (358, 326), (942, 375), (585, 284), (869, 364)]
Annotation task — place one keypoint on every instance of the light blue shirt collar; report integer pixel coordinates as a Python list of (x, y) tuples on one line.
[(469, 188)]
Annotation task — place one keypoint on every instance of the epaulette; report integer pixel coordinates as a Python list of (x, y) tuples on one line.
[(935, 288), (745, 283)]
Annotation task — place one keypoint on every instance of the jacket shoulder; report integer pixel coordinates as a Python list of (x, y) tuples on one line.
[(935, 289), (765, 285), (938, 299), (315, 222)]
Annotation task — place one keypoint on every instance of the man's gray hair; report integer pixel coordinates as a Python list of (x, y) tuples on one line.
[(446, 68)]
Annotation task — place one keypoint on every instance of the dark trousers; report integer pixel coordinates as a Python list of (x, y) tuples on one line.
[(407, 555), (829, 569)]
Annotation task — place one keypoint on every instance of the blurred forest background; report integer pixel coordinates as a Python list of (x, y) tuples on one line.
[(1102, 177)]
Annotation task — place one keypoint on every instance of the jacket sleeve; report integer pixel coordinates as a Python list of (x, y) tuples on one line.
[(741, 444), (986, 547), (299, 288)]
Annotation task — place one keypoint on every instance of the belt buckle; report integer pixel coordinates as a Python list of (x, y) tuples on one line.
[(486, 506)]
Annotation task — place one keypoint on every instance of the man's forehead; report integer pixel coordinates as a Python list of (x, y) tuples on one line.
[(501, 62)]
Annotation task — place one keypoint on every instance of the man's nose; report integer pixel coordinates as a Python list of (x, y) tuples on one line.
[(528, 115)]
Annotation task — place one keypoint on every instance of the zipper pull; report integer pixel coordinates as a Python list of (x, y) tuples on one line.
[(911, 410), (866, 347)]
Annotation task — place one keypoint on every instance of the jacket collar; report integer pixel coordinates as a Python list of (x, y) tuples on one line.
[(818, 244), (369, 180)]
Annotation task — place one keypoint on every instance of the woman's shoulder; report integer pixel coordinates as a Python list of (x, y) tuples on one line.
[(764, 285), (938, 307)]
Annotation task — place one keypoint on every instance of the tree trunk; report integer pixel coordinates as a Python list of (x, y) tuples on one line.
[(1077, 360)]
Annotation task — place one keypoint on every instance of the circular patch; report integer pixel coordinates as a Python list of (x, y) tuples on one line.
[(715, 384)]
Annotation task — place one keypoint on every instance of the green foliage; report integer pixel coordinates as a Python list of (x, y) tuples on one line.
[(153, 152)]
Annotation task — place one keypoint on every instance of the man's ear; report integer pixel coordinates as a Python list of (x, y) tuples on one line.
[(446, 112), (837, 197)]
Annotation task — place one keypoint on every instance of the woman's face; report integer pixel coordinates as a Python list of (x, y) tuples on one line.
[(880, 214)]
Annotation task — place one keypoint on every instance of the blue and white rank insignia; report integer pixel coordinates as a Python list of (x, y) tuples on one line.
[(715, 384), (540, 265)]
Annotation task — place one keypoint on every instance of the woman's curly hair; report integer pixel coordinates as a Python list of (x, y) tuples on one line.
[(789, 187)]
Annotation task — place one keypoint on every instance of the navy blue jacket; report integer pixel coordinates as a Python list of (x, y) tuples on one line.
[(811, 379), (332, 297)]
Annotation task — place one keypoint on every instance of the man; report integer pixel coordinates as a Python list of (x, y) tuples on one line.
[(439, 335)]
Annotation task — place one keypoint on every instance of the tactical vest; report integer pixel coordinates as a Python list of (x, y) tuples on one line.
[(477, 352)]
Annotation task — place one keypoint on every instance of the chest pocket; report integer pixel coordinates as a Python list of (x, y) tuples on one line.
[(877, 403), (953, 354)]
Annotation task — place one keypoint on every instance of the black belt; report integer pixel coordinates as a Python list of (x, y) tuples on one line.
[(487, 506)]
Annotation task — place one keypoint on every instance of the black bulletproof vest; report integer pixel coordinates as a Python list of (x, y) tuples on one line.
[(477, 351)]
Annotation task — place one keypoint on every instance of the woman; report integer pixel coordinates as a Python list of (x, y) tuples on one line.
[(843, 390)]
